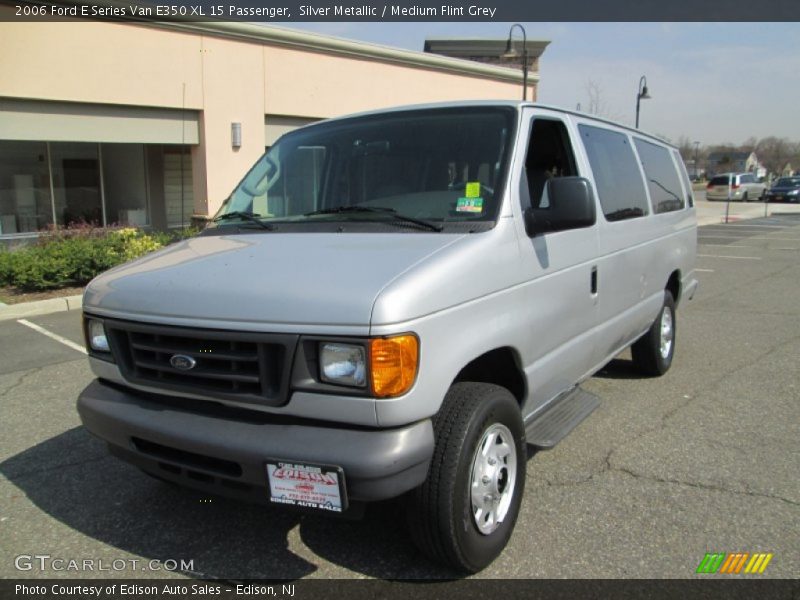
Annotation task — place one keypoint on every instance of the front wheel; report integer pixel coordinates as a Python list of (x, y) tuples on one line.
[(464, 513), (653, 352)]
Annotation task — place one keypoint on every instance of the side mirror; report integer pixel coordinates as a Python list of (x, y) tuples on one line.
[(570, 206)]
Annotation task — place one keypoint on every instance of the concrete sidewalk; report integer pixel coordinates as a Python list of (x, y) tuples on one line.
[(39, 307)]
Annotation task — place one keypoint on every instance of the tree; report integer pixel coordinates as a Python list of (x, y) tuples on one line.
[(597, 105), (774, 153), (686, 148)]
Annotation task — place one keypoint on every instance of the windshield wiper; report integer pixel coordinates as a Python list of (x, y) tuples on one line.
[(375, 209), (624, 213), (247, 216)]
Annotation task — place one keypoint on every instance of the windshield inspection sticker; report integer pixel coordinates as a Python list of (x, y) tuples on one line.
[(473, 189), (308, 486), (470, 205)]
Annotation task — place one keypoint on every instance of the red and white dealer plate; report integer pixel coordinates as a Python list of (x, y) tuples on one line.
[(307, 486)]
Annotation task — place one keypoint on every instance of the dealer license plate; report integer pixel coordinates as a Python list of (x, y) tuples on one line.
[(308, 486)]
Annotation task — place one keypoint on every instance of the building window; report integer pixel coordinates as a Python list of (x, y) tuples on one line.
[(59, 184), (125, 184), (24, 187), (178, 192), (76, 183)]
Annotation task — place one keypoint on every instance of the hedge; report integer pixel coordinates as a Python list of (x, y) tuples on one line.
[(74, 256)]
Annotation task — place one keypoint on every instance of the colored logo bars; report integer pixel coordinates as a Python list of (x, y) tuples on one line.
[(733, 562)]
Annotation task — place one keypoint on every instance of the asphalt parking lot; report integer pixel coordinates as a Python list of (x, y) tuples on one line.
[(702, 460)]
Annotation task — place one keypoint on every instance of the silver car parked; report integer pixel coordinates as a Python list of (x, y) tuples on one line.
[(742, 187)]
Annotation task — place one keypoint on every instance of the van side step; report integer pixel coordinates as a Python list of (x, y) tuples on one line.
[(564, 415)]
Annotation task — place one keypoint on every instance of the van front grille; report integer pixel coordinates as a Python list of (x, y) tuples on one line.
[(220, 364)]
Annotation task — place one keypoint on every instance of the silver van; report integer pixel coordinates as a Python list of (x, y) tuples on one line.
[(395, 304)]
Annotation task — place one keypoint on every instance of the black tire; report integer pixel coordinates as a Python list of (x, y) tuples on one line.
[(744, 197), (440, 512), (647, 351)]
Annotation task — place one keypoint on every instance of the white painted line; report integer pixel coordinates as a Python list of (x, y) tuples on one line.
[(722, 256), (52, 335), (728, 245), (704, 270), (745, 225), (748, 237)]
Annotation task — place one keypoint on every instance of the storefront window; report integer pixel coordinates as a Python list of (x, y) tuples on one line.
[(59, 184), (125, 184), (24, 187), (76, 183), (178, 193)]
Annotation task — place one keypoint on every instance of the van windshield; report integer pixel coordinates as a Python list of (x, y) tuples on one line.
[(421, 170)]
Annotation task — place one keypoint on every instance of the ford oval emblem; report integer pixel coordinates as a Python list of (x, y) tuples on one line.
[(182, 362)]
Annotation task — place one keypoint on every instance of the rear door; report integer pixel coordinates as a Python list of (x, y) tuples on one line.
[(626, 230)]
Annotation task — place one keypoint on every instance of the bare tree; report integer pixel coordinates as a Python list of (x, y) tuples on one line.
[(597, 105), (686, 148), (775, 153)]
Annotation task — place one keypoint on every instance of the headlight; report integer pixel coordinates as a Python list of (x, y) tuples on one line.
[(793, 193), (97, 337), (345, 364)]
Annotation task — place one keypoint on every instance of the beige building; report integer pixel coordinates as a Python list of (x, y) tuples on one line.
[(153, 124)]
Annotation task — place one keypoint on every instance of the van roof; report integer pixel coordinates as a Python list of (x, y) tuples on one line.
[(515, 104)]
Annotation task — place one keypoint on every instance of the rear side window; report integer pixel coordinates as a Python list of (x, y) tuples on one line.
[(663, 182), (616, 174), (719, 180), (687, 184)]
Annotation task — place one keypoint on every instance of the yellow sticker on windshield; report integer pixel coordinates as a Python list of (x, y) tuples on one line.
[(473, 189)]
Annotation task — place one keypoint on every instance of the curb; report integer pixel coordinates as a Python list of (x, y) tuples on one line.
[(40, 307)]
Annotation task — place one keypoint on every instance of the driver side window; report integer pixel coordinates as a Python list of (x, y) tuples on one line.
[(549, 156)]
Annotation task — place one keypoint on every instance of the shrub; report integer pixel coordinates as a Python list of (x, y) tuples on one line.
[(75, 255), (6, 266)]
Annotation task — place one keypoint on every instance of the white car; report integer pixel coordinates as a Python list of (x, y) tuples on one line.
[(741, 186)]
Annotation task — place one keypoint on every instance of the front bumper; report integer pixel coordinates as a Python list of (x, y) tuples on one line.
[(224, 451)]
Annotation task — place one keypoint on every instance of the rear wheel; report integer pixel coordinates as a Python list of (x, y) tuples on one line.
[(744, 197), (464, 513), (653, 352)]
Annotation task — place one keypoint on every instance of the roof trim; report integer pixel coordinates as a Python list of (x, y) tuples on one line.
[(288, 38)]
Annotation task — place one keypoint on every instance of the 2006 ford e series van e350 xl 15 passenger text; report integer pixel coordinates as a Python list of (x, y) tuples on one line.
[(395, 304)]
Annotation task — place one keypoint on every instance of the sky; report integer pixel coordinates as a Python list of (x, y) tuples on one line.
[(710, 82)]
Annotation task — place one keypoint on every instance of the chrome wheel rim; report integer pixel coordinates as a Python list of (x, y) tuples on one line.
[(494, 475), (667, 333)]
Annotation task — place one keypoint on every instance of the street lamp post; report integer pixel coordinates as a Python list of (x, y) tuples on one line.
[(696, 146), (641, 94), (511, 52)]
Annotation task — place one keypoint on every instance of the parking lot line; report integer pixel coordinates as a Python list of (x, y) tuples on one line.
[(724, 256), (704, 270), (52, 335), (745, 225), (748, 237)]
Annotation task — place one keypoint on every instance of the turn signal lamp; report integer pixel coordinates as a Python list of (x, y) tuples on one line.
[(393, 363)]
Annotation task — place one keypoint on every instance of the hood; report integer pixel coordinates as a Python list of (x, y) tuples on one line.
[(329, 279)]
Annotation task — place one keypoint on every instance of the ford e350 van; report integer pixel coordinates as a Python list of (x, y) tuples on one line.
[(395, 304)]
